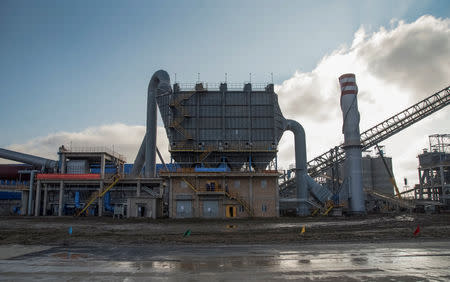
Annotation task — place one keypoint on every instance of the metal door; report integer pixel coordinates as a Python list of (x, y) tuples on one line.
[(210, 208), (184, 209)]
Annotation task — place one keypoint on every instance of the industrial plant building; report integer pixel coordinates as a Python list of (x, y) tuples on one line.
[(223, 143)]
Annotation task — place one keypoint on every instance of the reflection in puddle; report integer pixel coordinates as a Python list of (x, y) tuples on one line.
[(70, 255)]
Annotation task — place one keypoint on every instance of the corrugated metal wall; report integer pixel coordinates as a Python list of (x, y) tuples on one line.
[(236, 118)]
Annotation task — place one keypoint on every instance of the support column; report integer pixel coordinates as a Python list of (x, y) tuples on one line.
[(171, 203), (30, 195), (24, 204), (138, 189), (44, 206), (37, 204), (100, 200), (60, 202), (63, 163), (197, 212), (102, 166), (441, 196), (250, 190), (277, 198)]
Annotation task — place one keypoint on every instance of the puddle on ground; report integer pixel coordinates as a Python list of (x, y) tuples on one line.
[(69, 255)]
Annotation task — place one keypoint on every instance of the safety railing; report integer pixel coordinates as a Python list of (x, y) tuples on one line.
[(100, 149), (232, 146), (216, 86)]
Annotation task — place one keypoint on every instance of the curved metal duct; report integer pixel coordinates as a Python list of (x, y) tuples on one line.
[(300, 164), (302, 180), (28, 159), (159, 84)]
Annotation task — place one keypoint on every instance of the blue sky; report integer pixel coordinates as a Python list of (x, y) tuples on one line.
[(69, 65)]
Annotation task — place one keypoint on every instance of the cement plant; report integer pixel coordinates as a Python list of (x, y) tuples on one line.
[(223, 143), (221, 205)]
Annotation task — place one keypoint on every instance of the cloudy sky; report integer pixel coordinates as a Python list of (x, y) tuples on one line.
[(77, 72)]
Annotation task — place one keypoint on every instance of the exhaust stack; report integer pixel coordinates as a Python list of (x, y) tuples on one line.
[(352, 143)]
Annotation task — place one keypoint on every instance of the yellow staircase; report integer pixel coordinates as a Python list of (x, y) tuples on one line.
[(99, 194), (232, 196), (235, 196), (176, 123), (190, 185)]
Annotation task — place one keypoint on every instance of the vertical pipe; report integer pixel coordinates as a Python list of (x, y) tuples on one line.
[(37, 204), (442, 184), (100, 200), (61, 194), (24, 203), (138, 189), (63, 163), (44, 205), (30, 195), (159, 84), (352, 143), (300, 165), (77, 199), (102, 166)]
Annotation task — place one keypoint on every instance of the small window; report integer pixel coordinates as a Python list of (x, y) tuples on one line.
[(264, 208), (183, 184), (241, 208), (263, 184), (237, 183)]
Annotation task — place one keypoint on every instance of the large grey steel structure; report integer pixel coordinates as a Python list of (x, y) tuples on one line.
[(224, 124), (434, 171)]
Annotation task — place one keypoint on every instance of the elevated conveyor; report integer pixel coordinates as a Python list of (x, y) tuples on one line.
[(383, 130), (373, 136)]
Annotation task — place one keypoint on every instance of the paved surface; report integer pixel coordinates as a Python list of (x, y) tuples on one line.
[(394, 261)]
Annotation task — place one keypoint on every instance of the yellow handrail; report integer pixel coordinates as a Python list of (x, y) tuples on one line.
[(100, 194)]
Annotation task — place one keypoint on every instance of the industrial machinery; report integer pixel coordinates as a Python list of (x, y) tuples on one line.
[(330, 160), (221, 124)]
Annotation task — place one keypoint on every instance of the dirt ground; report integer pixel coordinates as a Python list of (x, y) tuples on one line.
[(54, 231)]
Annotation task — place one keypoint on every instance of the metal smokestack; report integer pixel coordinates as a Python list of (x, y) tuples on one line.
[(352, 143)]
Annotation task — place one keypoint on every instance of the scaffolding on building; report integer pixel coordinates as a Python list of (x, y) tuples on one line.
[(434, 171)]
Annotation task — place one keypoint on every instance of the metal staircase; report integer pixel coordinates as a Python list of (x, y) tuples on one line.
[(231, 195), (383, 130), (237, 197), (205, 154), (99, 194), (176, 104)]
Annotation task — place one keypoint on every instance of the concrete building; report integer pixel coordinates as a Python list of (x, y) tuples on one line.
[(222, 194)]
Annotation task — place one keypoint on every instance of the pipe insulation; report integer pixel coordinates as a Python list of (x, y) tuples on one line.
[(352, 143), (28, 159), (159, 84)]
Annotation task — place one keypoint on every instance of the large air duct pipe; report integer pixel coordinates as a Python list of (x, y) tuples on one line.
[(159, 83), (28, 159), (300, 165), (352, 143)]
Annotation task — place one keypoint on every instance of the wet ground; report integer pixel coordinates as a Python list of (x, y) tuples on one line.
[(369, 248), (94, 230), (412, 261)]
